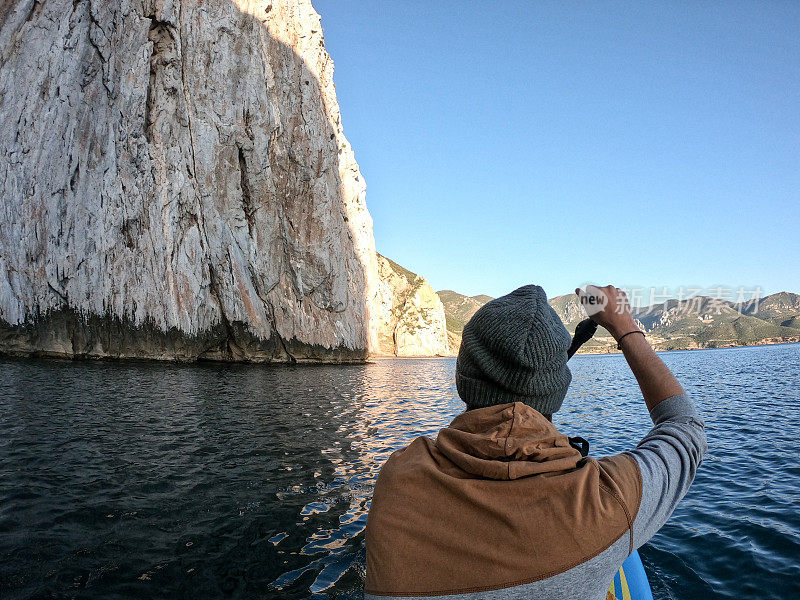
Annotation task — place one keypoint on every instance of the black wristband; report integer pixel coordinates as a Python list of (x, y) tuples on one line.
[(619, 341)]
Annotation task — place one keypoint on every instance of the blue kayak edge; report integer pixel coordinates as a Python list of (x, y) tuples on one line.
[(632, 579)]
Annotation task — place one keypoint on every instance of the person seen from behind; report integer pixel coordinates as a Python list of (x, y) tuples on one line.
[(501, 505)]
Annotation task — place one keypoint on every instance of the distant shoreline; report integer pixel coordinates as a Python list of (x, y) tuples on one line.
[(610, 352), (729, 347)]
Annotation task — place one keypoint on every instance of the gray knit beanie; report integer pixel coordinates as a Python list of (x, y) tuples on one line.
[(514, 349)]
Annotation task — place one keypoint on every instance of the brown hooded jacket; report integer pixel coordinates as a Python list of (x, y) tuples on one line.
[(499, 499)]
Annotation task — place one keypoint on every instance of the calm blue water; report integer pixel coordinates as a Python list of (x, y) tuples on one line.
[(213, 481)]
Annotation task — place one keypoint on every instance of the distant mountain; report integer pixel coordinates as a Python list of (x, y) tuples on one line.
[(703, 322), (792, 322), (458, 309), (569, 309), (699, 322), (782, 309)]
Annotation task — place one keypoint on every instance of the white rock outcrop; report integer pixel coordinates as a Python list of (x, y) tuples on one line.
[(411, 315), (175, 184)]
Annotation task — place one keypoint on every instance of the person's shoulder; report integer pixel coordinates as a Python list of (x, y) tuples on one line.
[(621, 475), (619, 464)]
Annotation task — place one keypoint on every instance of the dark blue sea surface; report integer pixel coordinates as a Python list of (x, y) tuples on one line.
[(144, 480)]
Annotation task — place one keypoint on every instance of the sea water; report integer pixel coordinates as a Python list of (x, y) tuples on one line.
[(147, 480)]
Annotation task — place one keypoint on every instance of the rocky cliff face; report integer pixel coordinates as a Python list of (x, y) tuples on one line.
[(175, 184), (412, 319)]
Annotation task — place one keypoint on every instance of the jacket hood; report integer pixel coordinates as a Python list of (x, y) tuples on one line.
[(506, 441)]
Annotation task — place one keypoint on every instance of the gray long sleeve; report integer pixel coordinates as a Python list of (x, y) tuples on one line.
[(668, 457)]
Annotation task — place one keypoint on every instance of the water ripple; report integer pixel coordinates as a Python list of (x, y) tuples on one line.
[(165, 481)]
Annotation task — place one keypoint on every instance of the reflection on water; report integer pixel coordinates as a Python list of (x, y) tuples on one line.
[(400, 400), (147, 480)]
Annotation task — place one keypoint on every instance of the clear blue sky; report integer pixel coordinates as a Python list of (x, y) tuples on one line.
[(641, 144)]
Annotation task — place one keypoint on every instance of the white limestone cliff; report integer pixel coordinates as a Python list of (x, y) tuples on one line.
[(175, 184), (412, 318)]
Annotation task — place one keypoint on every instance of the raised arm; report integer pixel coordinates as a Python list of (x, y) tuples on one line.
[(668, 456)]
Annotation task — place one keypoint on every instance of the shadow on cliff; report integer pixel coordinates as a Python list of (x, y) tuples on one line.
[(70, 333)]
